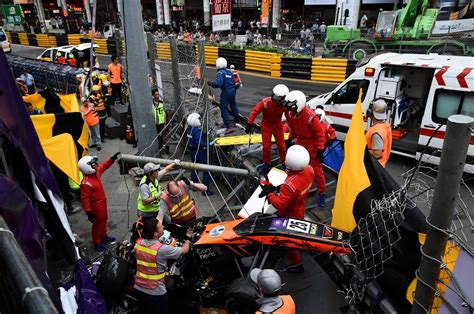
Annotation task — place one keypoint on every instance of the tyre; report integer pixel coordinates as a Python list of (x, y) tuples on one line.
[(240, 297), (359, 51), (448, 50)]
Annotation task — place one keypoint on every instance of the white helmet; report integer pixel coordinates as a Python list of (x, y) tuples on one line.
[(86, 164), (295, 100), (279, 92), (379, 109), (221, 63), (267, 280), (194, 120), (297, 158), (321, 114)]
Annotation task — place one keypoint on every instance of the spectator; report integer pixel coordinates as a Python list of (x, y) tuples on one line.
[(29, 81), (322, 29), (315, 26), (93, 122), (32, 111), (231, 38), (363, 20), (307, 33), (297, 43), (302, 34)]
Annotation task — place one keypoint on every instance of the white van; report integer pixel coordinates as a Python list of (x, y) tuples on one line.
[(422, 91), (4, 41)]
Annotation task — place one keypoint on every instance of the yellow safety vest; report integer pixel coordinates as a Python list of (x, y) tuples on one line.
[(155, 190), (160, 115)]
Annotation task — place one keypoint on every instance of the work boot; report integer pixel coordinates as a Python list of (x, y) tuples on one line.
[(294, 269), (321, 200), (107, 239), (100, 247)]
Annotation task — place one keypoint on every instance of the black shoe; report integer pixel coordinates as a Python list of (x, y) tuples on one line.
[(99, 148), (294, 269)]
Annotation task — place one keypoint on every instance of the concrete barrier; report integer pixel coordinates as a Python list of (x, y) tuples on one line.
[(328, 70)]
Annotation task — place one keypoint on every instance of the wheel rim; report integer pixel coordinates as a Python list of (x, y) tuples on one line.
[(359, 54)]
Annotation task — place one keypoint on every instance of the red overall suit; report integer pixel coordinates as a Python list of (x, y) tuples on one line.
[(94, 200), (307, 129), (329, 132), (290, 201), (271, 125)]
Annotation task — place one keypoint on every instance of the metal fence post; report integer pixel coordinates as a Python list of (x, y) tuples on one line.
[(456, 143), (151, 56), (175, 73), (203, 83)]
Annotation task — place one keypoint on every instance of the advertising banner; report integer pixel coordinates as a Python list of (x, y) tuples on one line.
[(13, 14), (265, 12), (221, 15)]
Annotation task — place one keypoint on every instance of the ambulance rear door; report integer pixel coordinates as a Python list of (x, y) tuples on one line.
[(449, 95)]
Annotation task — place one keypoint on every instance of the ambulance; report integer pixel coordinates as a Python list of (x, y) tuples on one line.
[(421, 91), (6, 47)]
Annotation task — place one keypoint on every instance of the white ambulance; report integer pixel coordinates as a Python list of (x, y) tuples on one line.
[(422, 91)]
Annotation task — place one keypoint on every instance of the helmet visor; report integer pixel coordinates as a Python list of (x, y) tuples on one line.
[(93, 162)]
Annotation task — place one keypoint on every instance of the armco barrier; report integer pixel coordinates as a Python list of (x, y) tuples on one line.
[(52, 41), (62, 40), (23, 37), (233, 56), (296, 67), (259, 61), (74, 39), (14, 39), (163, 51), (102, 49), (328, 70), (32, 39)]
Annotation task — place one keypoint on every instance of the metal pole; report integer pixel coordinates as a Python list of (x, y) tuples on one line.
[(184, 164), (35, 298), (137, 73), (118, 45), (152, 57), (175, 73), (203, 83), (453, 157), (91, 64), (87, 8)]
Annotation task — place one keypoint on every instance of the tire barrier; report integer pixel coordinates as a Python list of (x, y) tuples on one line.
[(259, 61), (315, 69), (233, 56), (328, 70), (58, 76), (163, 51), (296, 67)]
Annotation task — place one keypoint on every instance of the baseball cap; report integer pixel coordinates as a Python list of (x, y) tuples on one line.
[(267, 280), (149, 167), (379, 108)]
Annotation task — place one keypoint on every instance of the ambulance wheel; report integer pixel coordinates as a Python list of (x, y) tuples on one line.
[(448, 50), (359, 51), (240, 297)]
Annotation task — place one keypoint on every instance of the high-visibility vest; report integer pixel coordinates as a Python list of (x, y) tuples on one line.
[(288, 306), (91, 117), (155, 190), (159, 112), (115, 71), (181, 210), (73, 185), (385, 131), (147, 275)]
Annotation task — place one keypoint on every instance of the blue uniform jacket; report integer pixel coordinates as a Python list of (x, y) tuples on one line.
[(224, 81), (196, 138)]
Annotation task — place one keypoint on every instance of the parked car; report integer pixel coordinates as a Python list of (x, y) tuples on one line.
[(80, 52)]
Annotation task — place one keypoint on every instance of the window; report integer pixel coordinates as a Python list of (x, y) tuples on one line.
[(448, 102), (349, 93)]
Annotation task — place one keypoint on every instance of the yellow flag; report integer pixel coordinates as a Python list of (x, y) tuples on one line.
[(353, 178), (61, 151)]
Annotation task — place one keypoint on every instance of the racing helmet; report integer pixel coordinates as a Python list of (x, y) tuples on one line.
[(297, 158), (96, 88), (279, 92), (221, 63), (267, 280), (321, 114), (86, 164), (295, 100), (194, 120)]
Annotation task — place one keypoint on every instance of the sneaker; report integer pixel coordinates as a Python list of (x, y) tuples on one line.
[(208, 193), (321, 200), (294, 269), (107, 239), (99, 148), (100, 247)]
